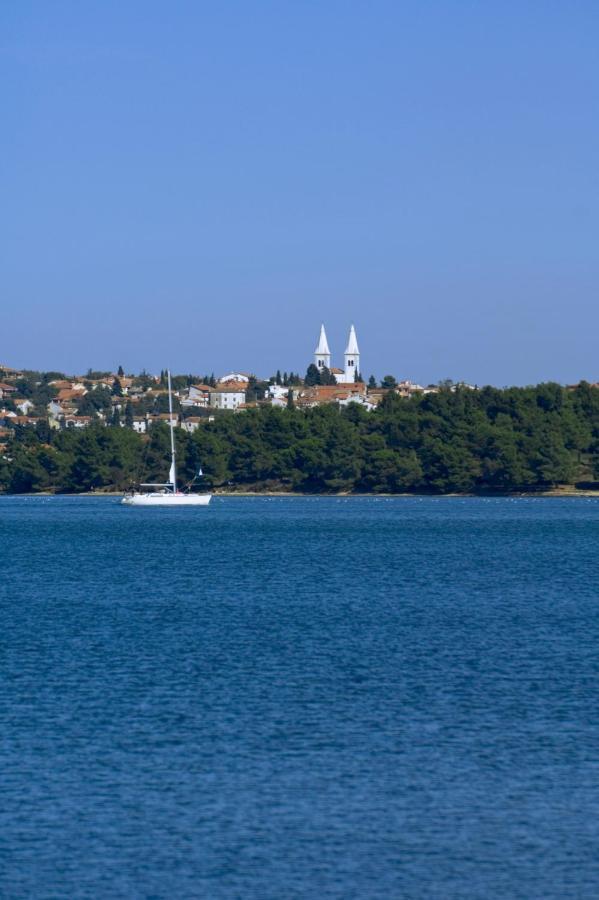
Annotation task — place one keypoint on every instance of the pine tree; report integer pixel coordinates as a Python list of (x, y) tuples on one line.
[(129, 414), (278, 379), (120, 372), (372, 382)]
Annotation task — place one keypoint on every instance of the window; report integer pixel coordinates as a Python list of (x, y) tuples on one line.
[(350, 362)]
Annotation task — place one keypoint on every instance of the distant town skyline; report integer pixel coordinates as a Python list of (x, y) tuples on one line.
[(200, 186)]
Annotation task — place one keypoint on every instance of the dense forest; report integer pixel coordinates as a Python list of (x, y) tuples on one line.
[(456, 440)]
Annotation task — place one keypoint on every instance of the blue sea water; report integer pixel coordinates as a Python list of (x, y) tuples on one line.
[(299, 698)]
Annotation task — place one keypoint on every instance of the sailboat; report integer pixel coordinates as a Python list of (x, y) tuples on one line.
[(167, 495)]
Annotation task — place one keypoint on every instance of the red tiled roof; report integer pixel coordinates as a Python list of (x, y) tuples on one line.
[(231, 387), (69, 394)]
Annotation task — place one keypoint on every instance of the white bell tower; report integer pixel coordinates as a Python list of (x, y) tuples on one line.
[(322, 354), (352, 357)]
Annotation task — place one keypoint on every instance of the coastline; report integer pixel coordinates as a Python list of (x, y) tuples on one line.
[(553, 493)]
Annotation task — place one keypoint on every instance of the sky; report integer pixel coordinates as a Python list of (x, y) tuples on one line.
[(199, 185)]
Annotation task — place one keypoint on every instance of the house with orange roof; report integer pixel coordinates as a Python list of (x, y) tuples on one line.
[(229, 396), (6, 390)]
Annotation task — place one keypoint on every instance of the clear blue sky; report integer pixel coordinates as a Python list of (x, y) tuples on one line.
[(201, 184)]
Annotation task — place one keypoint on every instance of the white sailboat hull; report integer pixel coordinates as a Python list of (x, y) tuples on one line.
[(166, 499)]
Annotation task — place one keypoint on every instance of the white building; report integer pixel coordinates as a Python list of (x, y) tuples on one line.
[(236, 377), (197, 395), (351, 367), (277, 394), (226, 398), (192, 423), (360, 399), (140, 424)]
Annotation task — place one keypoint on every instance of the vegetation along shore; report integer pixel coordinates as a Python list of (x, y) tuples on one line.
[(452, 441)]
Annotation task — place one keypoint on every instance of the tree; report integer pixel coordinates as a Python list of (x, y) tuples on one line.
[(372, 382), (120, 372), (389, 381), (290, 400), (117, 388), (312, 376), (451, 440), (327, 377)]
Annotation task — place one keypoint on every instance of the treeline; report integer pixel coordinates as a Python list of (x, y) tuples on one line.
[(454, 441)]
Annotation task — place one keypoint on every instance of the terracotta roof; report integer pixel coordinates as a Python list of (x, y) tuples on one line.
[(69, 394), (231, 387), (7, 387), (326, 390)]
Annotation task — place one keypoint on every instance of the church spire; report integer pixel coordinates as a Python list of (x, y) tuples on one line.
[(352, 357), (322, 354), (352, 342)]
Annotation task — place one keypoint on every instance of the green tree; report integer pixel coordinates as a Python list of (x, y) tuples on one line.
[(326, 376), (312, 376)]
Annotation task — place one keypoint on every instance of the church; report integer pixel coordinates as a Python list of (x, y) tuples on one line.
[(351, 368)]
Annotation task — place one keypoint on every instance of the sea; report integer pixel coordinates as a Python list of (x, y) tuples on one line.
[(276, 698)]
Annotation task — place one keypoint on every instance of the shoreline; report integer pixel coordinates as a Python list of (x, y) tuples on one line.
[(557, 492)]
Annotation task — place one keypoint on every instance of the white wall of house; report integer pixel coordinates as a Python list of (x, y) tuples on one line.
[(277, 392), (359, 399), (226, 399)]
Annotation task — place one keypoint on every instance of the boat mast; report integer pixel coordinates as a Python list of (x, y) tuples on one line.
[(173, 471)]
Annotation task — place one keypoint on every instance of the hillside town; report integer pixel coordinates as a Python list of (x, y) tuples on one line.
[(138, 401)]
